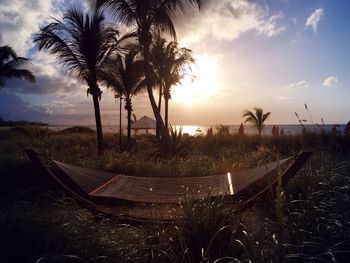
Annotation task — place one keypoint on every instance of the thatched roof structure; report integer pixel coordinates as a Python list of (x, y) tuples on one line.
[(145, 123)]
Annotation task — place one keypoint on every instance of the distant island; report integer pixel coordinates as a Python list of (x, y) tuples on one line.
[(4, 123)]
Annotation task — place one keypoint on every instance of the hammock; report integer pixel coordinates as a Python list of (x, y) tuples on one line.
[(89, 184)]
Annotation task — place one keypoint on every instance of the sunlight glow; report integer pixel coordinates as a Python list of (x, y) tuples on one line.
[(200, 83)]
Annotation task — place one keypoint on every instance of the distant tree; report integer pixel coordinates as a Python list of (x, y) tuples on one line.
[(125, 75), (273, 131), (149, 15), (257, 118), (169, 62), (282, 132), (11, 66), (241, 130), (81, 42)]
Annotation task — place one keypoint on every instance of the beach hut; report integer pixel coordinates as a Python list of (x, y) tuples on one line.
[(145, 123)]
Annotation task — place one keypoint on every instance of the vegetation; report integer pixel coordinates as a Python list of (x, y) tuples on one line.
[(4, 123), (125, 76), (11, 66), (148, 16), (307, 222), (81, 42), (257, 118), (169, 62)]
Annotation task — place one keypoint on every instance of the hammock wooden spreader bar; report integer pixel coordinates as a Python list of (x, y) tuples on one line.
[(96, 184)]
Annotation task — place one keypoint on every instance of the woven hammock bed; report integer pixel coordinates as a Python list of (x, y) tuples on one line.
[(158, 199)]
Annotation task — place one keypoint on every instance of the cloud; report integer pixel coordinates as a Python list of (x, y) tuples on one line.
[(20, 19), (284, 98), (302, 84), (228, 20), (314, 19), (45, 84), (330, 81), (68, 111), (13, 107), (57, 105)]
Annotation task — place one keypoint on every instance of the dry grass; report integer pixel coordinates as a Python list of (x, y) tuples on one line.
[(310, 221)]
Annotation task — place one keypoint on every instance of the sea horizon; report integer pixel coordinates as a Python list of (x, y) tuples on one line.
[(289, 129)]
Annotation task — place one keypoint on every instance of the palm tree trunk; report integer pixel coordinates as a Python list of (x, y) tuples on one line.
[(167, 97), (160, 98), (120, 123), (166, 114), (129, 110), (159, 107), (95, 99), (146, 42)]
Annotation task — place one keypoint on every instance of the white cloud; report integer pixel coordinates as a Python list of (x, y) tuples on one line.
[(20, 19), (284, 98), (302, 84), (330, 81), (270, 27), (314, 19), (228, 20)]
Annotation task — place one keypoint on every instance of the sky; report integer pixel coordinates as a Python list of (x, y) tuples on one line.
[(273, 54)]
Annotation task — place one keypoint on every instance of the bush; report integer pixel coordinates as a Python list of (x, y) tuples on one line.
[(78, 129)]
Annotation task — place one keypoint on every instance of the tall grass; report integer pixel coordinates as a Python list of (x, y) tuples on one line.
[(308, 222)]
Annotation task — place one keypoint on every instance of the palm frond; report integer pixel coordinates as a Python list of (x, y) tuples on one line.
[(7, 53), (20, 74), (122, 10), (11, 66), (18, 62), (80, 41), (266, 116), (124, 74)]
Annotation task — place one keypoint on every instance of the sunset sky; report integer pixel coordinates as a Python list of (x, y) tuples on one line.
[(276, 54)]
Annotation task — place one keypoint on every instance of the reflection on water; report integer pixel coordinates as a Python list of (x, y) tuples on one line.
[(191, 129)]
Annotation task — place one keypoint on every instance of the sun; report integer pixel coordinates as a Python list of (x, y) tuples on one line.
[(199, 84)]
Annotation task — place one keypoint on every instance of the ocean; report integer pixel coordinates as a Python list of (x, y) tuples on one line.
[(289, 129)]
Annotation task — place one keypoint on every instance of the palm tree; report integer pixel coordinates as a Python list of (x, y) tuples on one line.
[(125, 76), (157, 56), (169, 61), (257, 118), (81, 42), (149, 15), (11, 66)]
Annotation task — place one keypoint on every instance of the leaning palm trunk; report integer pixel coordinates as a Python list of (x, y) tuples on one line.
[(146, 42), (159, 107), (95, 98), (160, 98)]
